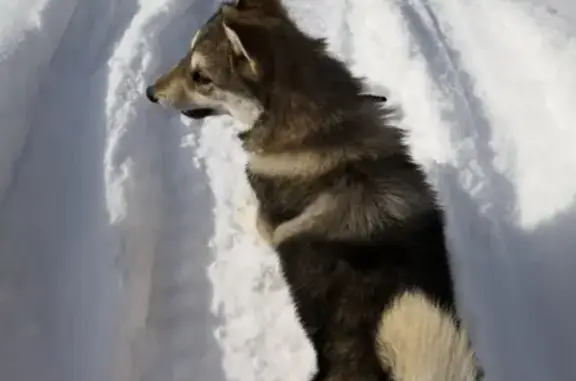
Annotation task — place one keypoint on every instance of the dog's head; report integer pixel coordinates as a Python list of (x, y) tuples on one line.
[(224, 70), (251, 61)]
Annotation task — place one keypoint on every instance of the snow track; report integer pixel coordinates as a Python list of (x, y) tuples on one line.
[(127, 244), (29, 37)]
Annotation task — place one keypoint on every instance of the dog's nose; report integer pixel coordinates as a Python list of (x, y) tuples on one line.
[(150, 95)]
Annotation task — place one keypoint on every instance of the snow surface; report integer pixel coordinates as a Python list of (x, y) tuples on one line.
[(127, 245)]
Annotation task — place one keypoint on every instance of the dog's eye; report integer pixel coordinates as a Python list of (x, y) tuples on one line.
[(200, 79)]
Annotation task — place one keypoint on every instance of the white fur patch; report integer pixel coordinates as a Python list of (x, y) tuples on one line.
[(195, 39), (197, 60), (293, 164), (245, 111)]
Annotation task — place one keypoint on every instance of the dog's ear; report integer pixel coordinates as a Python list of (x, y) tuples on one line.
[(243, 40)]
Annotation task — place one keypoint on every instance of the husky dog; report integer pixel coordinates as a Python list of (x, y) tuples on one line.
[(355, 225)]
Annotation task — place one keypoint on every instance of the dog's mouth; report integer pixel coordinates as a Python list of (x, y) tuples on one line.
[(377, 98), (199, 113)]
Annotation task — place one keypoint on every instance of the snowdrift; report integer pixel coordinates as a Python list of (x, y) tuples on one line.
[(127, 245)]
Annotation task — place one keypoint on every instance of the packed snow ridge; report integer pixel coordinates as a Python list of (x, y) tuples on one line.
[(127, 245)]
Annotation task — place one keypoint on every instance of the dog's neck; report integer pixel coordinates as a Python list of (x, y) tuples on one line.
[(317, 125), (347, 136)]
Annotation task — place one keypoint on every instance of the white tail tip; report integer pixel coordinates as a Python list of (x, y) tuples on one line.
[(418, 341)]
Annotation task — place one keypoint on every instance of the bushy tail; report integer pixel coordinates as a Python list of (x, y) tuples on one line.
[(418, 341)]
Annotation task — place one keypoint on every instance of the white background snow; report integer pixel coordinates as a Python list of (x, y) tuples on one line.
[(127, 250)]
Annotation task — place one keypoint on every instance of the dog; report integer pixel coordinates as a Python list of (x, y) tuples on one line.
[(357, 228)]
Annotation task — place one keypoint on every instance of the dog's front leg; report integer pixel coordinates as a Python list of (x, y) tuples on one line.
[(313, 220), (333, 216)]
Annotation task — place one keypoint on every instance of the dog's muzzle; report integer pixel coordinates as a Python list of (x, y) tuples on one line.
[(197, 113)]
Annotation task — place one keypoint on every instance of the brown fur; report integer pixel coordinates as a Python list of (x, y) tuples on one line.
[(351, 216)]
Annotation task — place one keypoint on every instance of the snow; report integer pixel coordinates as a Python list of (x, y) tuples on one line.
[(127, 243)]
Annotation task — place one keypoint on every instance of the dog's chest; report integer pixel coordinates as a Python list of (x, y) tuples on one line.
[(281, 199)]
